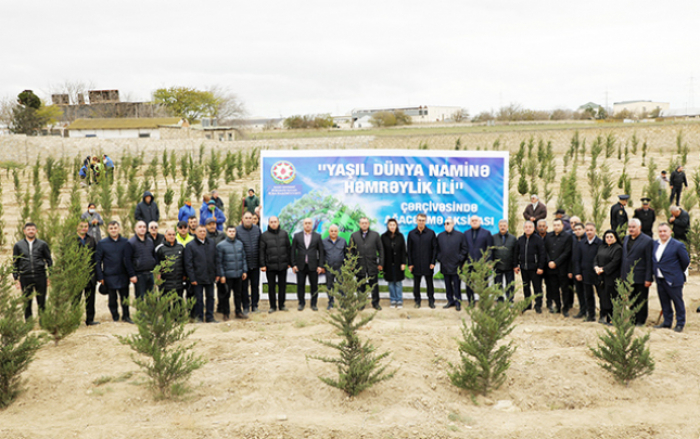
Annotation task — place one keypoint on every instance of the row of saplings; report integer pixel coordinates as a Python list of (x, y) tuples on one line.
[(167, 358)]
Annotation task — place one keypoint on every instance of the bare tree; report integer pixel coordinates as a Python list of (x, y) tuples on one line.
[(7, 103), (230, 105), (460, 115)]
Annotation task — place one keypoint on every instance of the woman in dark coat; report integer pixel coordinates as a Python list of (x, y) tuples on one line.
[(607, 266), (394, 261)]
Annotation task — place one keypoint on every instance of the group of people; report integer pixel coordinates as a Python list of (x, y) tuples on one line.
[(94, 168)]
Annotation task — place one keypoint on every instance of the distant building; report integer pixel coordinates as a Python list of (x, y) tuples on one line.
[(261, 123), (680, 113), (639, 108), (420, 114), (120, 128)]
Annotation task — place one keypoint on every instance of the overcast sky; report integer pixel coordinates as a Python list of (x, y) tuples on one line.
[(300, 57)]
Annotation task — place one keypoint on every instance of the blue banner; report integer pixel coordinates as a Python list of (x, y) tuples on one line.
[(340, 187)]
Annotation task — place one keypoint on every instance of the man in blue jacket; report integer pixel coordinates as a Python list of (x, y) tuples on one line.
[(451, 252), (143, 259), (186, 211), (637, 248), (114, 270), (213, 212), (249, 234), (479, 243), (201, 264), (670, 260)]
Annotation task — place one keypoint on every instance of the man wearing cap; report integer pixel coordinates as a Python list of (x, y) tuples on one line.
[(618, 215), (646, 216), (535, 210), (186, 211), (213, 212), (560, 214), (183, 233), (676, 182), (680, 221), (251, 201)]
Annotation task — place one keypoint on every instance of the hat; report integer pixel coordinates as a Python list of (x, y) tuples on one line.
[(663, 172), (646, 200), (560, 212), (210, 220), (181, 224), (211, 202), (623, 197)]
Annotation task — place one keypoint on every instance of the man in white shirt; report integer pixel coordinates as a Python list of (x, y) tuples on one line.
[(670, 261)]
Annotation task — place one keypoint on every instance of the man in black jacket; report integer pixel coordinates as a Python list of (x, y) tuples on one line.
[(422, 254), (452, 252), (222, 290), (31, 257), (505, 253), (157, 238), (367, 244), (85, 240), (249, 234), (334, 248), (147, 209), (143, 259), (531, 263), (479, 243), (576, 285), (676, 182), (618, 215), (680, 221), (308, 259), (200, 265), (646, 216), (558, 248), (114, 269), (275, 259), (170, 249), (637, 250), (586, 251)]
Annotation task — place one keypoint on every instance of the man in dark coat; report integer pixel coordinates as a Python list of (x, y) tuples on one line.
[(636, 252), (479, 243), (452, 252), (249, 234), (680, 221), (536, 210), (586, 251), (308, 259), (114, 270), (147, 209), (275, 259), (222, 289), (505, 253), (558, 248), (421, 245), (31, 257), (618, 215), (334, 248), (531, 263), (157, 238), (143, 259), (85, 240), (170, 249), (670, 260), (217, 200), (676, 182), (646, 216), (575, 284), (200, 264), (367, 245)]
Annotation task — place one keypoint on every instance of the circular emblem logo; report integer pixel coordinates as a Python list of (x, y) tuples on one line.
[(283, 172)]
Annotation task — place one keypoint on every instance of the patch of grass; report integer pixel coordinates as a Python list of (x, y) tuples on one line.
[(456, 417), (300, 323), (104, 379)]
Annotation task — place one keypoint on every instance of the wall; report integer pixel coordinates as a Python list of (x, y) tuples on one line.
[(115, 134)]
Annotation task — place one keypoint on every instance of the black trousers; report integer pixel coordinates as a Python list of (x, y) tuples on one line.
[(580, 295), (416, 288), (640, 294), (122, 294), (509, 288), (557, 284), (330, 280), (89, 293), (567, 293), (589, 290), (302, 274), (531, 278), (276, 288), (676, 192), (607, 292), (33, 284), (373, 282), (204, 306), (252, 279), (235, 286), (223, 296), (453, 288)]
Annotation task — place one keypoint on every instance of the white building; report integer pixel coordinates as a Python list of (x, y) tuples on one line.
[(420, 114), (121, 128), (639, 108)]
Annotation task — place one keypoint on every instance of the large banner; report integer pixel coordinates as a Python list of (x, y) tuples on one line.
[(342, 186)]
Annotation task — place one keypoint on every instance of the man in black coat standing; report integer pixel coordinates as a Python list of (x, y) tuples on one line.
[(646, 216), (249, 234), (579, 231), (147, 209), (505, 253), (586, 251), (452, 252), (637, 250), (143, 259), (85, 240), (200, 264), (114, 270), (275, 259), (367, 245), (618, 215), (558, 247), (422, 254), (31, 257), (676, 182), (308, 259), (531, 263), (170, 249), (479, 243), (680, 221)]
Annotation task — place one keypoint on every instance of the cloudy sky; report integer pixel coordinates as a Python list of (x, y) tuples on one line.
[(300, 57)]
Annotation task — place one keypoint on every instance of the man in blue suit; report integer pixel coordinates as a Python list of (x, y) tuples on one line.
[(637, 249), (669, 262), (478, 241)]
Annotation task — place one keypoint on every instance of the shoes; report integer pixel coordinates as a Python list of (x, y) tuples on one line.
[(212, 321), (640, 325), (538, 309), (329, 307), (449, 305), (283, 308), (226, 317), (678, 329), (300, 307), (240, 315), (417, 305), (392, 305), (458, 306), (199, 321), (554, 310), (246, 310), (128, 320), (271, 310), (431, 305), (662, 327), (314, 308), (590, 319), (580, 315), (565, 313), (255, 309), (378, 307), (604, 321), (399, 306), (93, 323)]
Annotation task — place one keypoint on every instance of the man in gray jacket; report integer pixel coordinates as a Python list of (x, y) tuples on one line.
[(249, 234), (368, 246), (505, 253), (335, 247)]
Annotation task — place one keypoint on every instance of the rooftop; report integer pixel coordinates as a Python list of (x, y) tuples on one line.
[(122, 123)]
